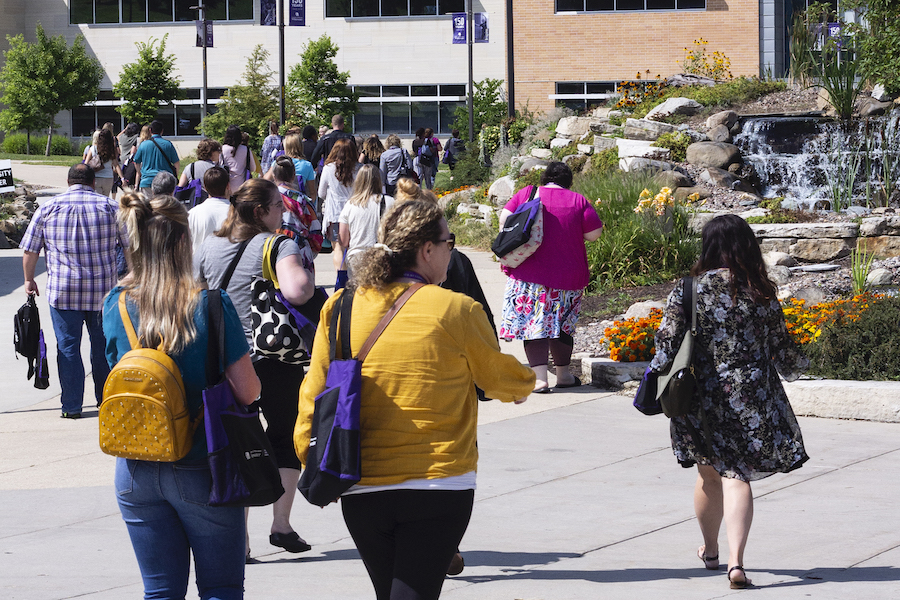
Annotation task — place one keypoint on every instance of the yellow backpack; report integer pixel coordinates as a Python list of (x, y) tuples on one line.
[(144, 413)]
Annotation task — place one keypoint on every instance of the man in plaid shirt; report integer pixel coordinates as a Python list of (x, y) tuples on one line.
[(79, 233)]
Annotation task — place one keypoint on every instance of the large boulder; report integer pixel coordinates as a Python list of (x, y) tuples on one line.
[(559, 142), (870, 107), (674, 106), (573, 127), (542, 153), (727, 118), (880, 94), (605, 127), (633, 164), (602, 143), (821, 250), (723, 179), (672, 179), (681, 193), (812, 295), (502, 190), (640, 149), (779, 258), (879, 277), (719, 133), (531, 163), (713, 154), (641, 310), (643, 129)]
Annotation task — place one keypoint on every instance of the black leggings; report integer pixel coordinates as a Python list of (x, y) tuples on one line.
[(278, 402), (407, 538), (538, 351)]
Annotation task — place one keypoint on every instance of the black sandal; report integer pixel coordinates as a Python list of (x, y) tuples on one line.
[(739, 585), (710, 562)]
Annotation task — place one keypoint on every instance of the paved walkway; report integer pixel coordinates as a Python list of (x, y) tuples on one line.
[(579, 497)]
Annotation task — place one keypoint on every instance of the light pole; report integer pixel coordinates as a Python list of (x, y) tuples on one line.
[(281, 60), (203, 92), (470, 100)]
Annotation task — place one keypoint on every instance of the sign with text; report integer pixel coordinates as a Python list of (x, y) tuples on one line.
[(297, 13), (6, 178), (459, 28), (481, 30), (209, 33)]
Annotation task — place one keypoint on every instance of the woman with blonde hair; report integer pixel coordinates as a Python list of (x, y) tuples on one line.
[(392, 163), (230, 260), (303, 169), (361, 216), (372, 149), (145, 135), (335, 189), (165, 505), (418, 423)]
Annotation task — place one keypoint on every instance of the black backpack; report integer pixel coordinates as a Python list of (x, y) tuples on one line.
[(28, 340), (426, 153)]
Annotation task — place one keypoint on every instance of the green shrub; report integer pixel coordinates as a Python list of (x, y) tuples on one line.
[(604, 161), (516, 129), (677, 142), (577, 163), (633, 249), (469, 170), (616, 119), (563, 151), (775, 216), (728, 93), (532, 177), (14, 143), (867, 348), (473, 233)]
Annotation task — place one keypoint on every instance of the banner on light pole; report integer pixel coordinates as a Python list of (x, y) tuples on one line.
[(209, 33), (481, 34), (297, 13)]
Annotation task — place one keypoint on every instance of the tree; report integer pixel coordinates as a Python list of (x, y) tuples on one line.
[(879, 42), (41, 79), (249, 105), (148, 82), (488, 105), (316, 89)]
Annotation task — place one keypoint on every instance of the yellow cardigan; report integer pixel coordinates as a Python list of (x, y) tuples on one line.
[(419, 409)]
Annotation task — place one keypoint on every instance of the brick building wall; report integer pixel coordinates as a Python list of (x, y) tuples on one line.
[(610, 46)]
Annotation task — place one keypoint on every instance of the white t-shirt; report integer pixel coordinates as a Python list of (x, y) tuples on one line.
[(203, 220), (364, 222), (335, 194)]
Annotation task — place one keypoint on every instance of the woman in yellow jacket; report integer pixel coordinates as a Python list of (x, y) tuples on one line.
[(419, 407)]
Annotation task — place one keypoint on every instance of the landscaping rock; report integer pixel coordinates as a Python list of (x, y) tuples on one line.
[(776, 244), (724, 179), (697, 220), (755, 212), (640, 149), (870, 107), (672, 179), (681, 194), (643, 129), (820, 250), (857, 211), (559, 142), (879, 277), (779, 258), (462, 195), (573, 127), (531, 163), (805, 230), (728, 118), (884, 246), (585, 148), (831, 399), (4, 242), (674, 106), (713, 154), (606, 128), (879, 93), (606, 374), (542, 153), (502, 190), (720, 133), (634, 164), (687, 79), (641, 310), (778, 274), (812, 295), (602, 143)]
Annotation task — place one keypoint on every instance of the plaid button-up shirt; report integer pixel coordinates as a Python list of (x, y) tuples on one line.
[(79, 231)]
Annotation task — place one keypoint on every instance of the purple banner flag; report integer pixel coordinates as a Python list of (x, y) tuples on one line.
[(459, 28), (209, 33), (297, 13), (481, 33), (268, 12)]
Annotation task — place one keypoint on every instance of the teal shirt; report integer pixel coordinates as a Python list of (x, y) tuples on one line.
[(191, 361), (152, 161)]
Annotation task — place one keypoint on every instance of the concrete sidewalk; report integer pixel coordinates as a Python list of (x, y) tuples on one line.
[(579, 497)]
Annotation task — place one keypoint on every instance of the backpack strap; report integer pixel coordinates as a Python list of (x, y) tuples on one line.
[(215, 347), (126, 321), (226, 279)]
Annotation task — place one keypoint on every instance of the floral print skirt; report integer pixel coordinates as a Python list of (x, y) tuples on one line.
[(532, 311)]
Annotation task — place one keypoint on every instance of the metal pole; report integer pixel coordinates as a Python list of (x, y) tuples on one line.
[(281, 61), (470, 100), (510, 70), (204, 91)]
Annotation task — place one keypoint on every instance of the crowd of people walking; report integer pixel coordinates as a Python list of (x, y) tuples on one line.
[(239, 219)]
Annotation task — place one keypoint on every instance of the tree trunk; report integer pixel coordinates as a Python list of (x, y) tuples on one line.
[(49, 139), (28, 142)]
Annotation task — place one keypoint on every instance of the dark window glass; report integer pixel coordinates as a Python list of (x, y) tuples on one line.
[(134, 11), (159, 10), (106, 95), (448, 115), (599, 5), (686, 4), (396, 117), (424, 114), (394, 8), (660, 4), (109, 114), (576, 105), (83, 121), (453, 90), (424, 90), (445, 7), (365, 8), (166, 115), (569, 88), (423, 7), (606, 87), (240, 10), (214, 93), (107, 11), (183, 10), (395, 91), (569, 5), (81, 11), (368, 91), (215, 9), (192, 93), (188, 119), (337, 8), (629, 4), (367, 118)]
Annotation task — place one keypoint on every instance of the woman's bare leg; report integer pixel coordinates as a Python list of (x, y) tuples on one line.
[(281, 509), (709, 507), (738, 504)]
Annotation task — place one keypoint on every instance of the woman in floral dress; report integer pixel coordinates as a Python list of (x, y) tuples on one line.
[(742, 345)]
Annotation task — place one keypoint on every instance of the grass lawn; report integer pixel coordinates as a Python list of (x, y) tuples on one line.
[(40, 159)]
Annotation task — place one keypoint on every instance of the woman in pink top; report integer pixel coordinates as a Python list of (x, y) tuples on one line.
[(236, 157), (543, 294)]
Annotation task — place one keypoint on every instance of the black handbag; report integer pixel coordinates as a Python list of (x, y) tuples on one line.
[(676, 386), (522, 232), (645, 399)]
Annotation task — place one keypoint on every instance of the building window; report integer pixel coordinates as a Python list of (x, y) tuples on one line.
[(391, 8), (582, 95), (401, 109), (627, 5), (156, 11)]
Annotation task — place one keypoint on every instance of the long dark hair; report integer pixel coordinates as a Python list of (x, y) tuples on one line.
[(106, 149), (729, 242), (232, 137)]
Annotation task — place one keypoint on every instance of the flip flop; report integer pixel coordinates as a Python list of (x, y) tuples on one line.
[(738, 585), (562, 386)]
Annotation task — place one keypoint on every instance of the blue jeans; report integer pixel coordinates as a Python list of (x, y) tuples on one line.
[(67, 325), (165, 506)]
